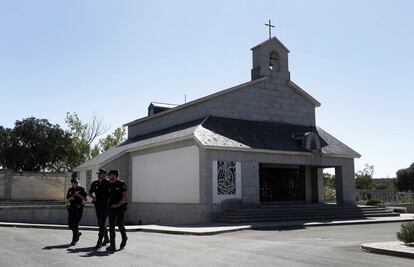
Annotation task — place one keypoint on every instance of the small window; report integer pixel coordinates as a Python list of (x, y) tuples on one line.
[(274, 61)]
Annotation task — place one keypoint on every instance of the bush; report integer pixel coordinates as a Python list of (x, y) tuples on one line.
[(406, 234), (373, 202)]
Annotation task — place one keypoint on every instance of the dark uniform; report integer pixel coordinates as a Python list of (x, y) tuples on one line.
[(101, 191), (75, 209), (116, 215)]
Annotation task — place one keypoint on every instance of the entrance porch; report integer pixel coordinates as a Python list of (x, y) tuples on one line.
[(290, 184)]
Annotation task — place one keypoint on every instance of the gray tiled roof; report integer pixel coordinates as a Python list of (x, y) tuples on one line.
[(229, 133), (234, 133), (173, 133)]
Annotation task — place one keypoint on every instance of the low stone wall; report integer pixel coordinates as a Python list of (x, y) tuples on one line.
[(33, 186), (409, 207), (47, 214), (386, 196), (168, 213), (137, 213), (2, 186)]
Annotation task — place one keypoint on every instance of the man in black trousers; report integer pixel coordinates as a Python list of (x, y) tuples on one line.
[(118, 197), (99, 192), (75, 197)]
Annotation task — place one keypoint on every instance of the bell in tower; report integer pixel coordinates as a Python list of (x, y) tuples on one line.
[(270, 58)]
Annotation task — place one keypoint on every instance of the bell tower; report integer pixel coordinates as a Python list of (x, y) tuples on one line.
[(270, 58)]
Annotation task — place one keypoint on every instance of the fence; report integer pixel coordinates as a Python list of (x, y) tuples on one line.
[(25, 186), (386, 196)]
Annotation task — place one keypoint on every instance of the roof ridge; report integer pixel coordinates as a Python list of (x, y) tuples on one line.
[(198, 100)]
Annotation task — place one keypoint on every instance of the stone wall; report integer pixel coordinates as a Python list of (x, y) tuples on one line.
[(168, 213), (2, 186), (49, 214), (269, 100), (386, 196), (33, 186)]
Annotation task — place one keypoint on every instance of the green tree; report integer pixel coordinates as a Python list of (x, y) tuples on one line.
[(83, 135), (4, 142), (405, 179), (364, 179), (113, 139), (388, 184), (34, 145), (329, 180)]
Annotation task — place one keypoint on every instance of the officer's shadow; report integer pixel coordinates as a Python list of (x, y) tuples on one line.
[(90, 252), (56, 247)]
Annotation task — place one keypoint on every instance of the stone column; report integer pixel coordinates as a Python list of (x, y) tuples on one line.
[(320, 185), (345, 185), (250, 183), (308, 184), (314, 184)]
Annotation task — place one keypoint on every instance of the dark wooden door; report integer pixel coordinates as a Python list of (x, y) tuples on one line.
[(282, 184)]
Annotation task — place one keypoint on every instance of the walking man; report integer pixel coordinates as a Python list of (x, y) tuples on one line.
[(118, 197), (99, 192), (75, 197)]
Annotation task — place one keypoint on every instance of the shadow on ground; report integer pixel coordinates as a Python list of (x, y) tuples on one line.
[(89, 251), (57, 247)]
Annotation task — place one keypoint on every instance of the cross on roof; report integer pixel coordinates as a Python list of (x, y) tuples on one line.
[(270, 28)]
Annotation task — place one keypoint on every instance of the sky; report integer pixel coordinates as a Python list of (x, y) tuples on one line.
[(112, 58)]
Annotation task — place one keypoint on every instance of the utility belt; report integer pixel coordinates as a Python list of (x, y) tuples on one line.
[(75, 207), (101, 204), (122, 207)]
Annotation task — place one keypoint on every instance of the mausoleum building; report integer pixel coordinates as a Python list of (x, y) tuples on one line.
[(251, 144)]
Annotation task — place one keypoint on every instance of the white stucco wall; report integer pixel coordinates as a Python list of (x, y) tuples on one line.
[(167, 177), (82, 177)]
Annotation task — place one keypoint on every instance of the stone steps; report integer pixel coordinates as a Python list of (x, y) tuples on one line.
[(261, 211), (286, 212), (310, 212)]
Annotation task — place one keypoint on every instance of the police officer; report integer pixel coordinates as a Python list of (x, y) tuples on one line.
[(118, 197), (75, 197), (99, 192)]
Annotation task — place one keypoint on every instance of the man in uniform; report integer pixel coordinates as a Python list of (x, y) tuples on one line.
[(99, 192), (75, 197), (118, 197)]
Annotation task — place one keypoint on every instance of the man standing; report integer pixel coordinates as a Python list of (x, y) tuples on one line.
[(99, 192), (118, 197), (75, 197)]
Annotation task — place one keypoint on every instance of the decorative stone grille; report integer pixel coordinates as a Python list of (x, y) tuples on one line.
[(88, 178), (226, 178)]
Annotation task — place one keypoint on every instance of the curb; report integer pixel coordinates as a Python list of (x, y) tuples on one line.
[(94, 228), (383, 251), (176, 230), (45, 226)]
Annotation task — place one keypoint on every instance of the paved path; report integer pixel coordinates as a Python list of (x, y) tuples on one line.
[(315, 246)]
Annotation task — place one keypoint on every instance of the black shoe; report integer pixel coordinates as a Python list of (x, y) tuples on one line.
[(111, 248), (98, 245), (106, 242), (76, 239), (72, 243), (123, 243)]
